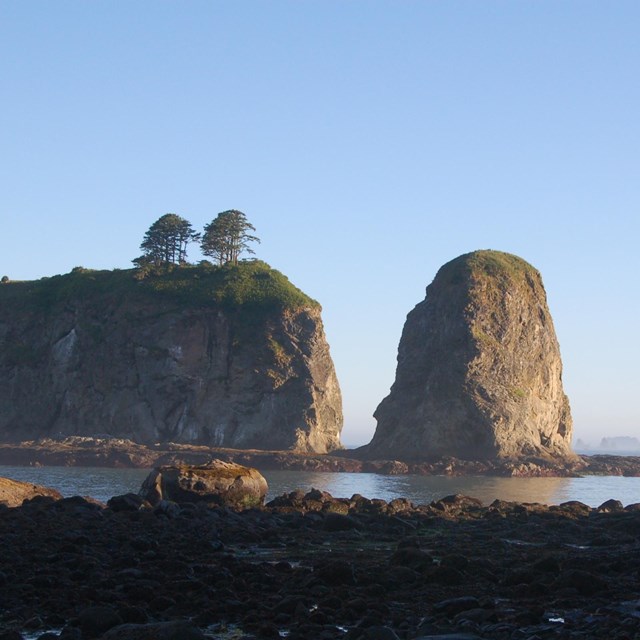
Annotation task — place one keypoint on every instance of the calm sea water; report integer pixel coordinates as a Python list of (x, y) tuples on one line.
[(102, 484)]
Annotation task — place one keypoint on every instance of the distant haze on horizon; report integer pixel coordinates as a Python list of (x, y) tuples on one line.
[(369, 144)]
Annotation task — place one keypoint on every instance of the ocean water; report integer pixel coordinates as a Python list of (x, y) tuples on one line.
[(102, 484)]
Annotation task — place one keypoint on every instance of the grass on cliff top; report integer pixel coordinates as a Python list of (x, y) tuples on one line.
[(249, 284), (486, 262)]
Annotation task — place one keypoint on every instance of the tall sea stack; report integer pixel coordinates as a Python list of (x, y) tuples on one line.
[(479, 373)]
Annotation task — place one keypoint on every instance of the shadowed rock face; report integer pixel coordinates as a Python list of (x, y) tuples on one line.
[(479, 371), (153, 369)]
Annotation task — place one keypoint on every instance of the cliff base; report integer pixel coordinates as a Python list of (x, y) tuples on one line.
[(116, 453)]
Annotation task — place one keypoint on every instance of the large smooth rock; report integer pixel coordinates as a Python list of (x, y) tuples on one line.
[(13, 493), (217, 483), (479, 372)]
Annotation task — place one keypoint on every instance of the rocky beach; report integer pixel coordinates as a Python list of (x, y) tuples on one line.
[(314, 566)]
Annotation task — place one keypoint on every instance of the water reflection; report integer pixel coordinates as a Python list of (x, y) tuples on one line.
[(418, 489), (97, 482), (592, 490)]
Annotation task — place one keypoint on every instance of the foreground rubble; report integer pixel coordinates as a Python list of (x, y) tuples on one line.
[(313, 566)]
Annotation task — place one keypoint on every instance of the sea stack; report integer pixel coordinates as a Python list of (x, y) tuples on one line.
[(479, 372), (232, 356)]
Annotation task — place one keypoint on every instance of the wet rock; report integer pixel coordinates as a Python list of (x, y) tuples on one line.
[(413, 558), (133, 614), (574, 508), (337, 572), (454, 561), (445, 576), (585, 582), (94, 621), (452, 636), (453, 606), (610, 506), (520, 576), (457, 503), (400, 505), (550, 564), (167, 508), (290, 604), (380, 633), (128, 502), (175, 630), (339, 522)]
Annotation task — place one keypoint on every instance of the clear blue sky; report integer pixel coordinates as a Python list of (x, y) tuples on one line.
[(369, 142)]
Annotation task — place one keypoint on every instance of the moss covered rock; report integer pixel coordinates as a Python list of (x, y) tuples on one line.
[(217, 483)]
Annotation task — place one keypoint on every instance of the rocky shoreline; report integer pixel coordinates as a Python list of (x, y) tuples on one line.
[(314, 566), (118, 453)]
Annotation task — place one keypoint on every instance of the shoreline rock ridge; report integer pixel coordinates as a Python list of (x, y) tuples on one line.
[(220, 356), (479, 373)]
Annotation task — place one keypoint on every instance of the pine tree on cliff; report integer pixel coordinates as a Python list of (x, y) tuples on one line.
[(227, 236), (166, 241)]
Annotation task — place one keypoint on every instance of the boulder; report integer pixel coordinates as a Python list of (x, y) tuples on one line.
[(216, 483), (479, 373), (13, 493), (127, 502)]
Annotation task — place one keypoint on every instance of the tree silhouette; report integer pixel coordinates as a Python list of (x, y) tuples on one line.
[(227, 236), (166, 241)]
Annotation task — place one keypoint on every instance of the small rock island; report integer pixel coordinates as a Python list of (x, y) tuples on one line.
[(479, 372)]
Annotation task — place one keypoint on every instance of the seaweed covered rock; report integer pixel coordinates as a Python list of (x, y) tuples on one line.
[(479, 372), (216, 483)]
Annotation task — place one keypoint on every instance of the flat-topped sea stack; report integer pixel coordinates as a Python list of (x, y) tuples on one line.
[(479, 373), (232, 356)]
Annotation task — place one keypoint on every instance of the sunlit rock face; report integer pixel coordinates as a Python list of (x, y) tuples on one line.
[(13, 493), (479, 371), (153, 368)]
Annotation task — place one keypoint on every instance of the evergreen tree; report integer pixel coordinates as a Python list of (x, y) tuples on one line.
[(227, 236), (166, 241)]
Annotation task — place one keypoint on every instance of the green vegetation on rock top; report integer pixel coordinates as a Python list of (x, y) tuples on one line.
[(248, 284), (478, 264), (495, 262)]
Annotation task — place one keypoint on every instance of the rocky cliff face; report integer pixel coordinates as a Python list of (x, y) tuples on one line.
[(224, 361), (479, 372)]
